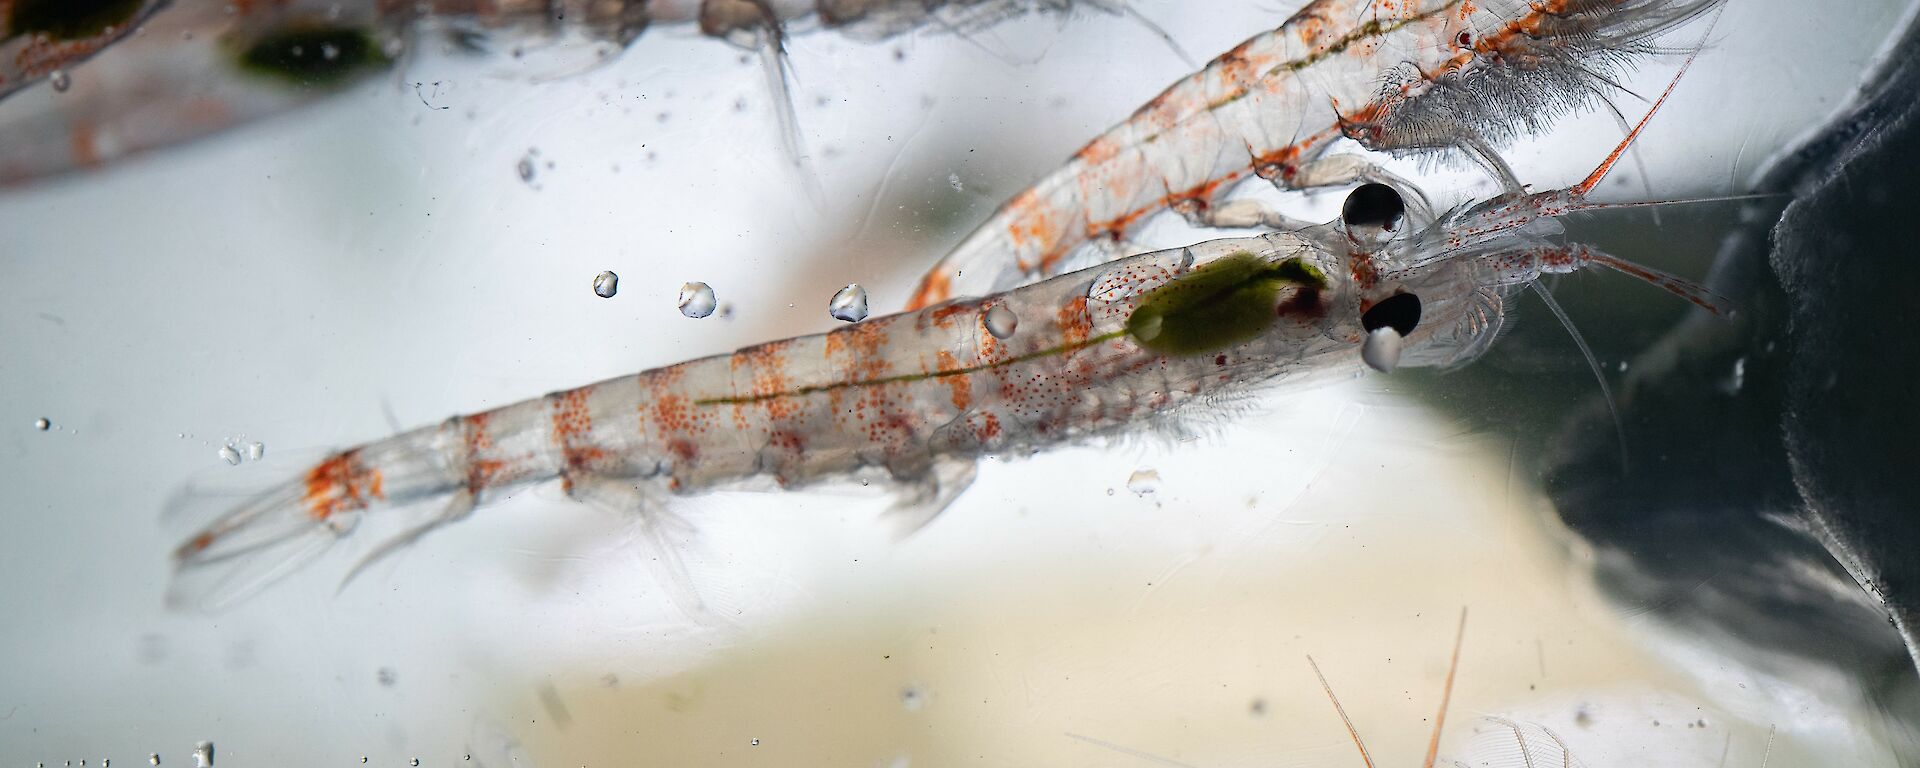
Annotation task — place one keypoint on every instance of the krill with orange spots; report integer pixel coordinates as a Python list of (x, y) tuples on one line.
[(915, 400)]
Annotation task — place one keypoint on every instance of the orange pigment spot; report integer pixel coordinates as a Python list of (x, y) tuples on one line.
[(340, 484), (936, 287), (1075, 324), (961, 385), (1032, 222), (1098, 151), (989, 427)]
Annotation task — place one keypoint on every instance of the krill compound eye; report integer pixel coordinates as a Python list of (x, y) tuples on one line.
[(1401, 312), (1373, 205)]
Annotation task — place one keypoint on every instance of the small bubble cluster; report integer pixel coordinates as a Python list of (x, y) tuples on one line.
[(1002, 322), (849, 304), (1143, 482), (238, 450), (696, 300)]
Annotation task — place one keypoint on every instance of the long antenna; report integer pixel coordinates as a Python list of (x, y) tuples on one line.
[(1593, 363), (1364, 757), (1678, 286), (1593, 179), (1446, 693)]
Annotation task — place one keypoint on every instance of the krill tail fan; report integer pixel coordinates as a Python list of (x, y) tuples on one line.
[(262, 535), (257, 540)]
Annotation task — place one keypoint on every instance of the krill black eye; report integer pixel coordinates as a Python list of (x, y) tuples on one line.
[(1401, 312), (1373, 205)]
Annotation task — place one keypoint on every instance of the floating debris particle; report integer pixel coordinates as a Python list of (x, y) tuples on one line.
[(953, 180), (387, 677), (696, 300), (153, 758), (526, 166), (606, 284), (1143, 482), (849, 304), (555, 706), (230, 455), (60, 80), (256, 450), (42, 424), (912, 699), (755, 742), (1002, 322), (203, 755)]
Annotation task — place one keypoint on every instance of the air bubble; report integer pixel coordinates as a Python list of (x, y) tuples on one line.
[(229, 455), (203, 755), (153, 758), (329, 51), (755, 742), (1143, 482), (414, 761), (849, 304), (42, 424), (60, 80), (1002, 322), (606, 284), (696, 300)]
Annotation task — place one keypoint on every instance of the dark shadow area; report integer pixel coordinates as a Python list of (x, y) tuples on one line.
[(1772, 504)]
